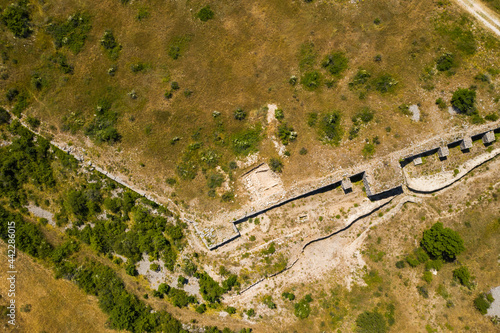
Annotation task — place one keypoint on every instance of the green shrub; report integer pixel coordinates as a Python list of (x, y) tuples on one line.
[(230, 310), (442, 243), (72, 32), (228, 196), (491, 116), (335, 63), (434, 264), (400, 264), (239, 114), (427, 277), (412, 261), (110, 45), (210, 290), (201, 308), (385, 83), (286, 133), (139, 67), (482, 78), (179, 298), (365, 115), (462, 274), (303, 151), (368, 150), (445, 62), (246, 141), (288, 296), (60, 59), (302, 309), (330, 127), (312, 118), (464, 100), (4, 116), (441, 103), (421, 255), (33, 122), (311, 80), (278, 114), (142, 14), (276, 164), (423, 291), (215, 180), (181, 281), (17, 19), (371, 322), (131, 270), (482, 304), (360, 78), (102, 129), (205, 14), (268, 300)]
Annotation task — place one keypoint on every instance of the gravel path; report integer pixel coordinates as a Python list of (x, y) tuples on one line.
[(483, 14)]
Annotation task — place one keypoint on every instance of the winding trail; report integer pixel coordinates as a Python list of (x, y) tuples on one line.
[(482, 13)]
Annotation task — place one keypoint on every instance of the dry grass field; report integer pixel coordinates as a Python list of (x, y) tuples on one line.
[(48, 305)]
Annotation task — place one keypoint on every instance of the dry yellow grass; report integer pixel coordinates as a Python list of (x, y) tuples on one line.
[(56, 305)]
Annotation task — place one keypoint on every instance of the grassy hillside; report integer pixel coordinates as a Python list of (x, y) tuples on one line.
[(137, 83)]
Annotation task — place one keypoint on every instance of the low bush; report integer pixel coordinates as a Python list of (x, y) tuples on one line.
[(371, 322), (205, 14)]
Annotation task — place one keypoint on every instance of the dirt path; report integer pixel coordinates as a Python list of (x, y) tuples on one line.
[(486, 16)]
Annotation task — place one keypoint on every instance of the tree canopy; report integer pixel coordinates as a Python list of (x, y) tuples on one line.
[(442, 243)]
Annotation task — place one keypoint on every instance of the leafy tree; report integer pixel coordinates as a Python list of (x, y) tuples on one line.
[(131, 270), (464, 100), (210, 290), (371, 322), (17, 19), (442, 243)]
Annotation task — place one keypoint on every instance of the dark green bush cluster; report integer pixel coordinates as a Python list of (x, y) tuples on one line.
[(205, 14), (464, 100), (445, 62), (4, 116), (125, 310), (371, 322), (288, 296), (239, 114), (268, 300), (276, 164), (102, 128), (61, 61), (17, 19), (72, 32), (24, 162), (246, 141), (385, 83), (110, 45), (210, 290), (302, 309), (311, 80), (286, 134), (441, 103), (331, 130), (483, 302), (335, 63), (360, 78), (463, 276)]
